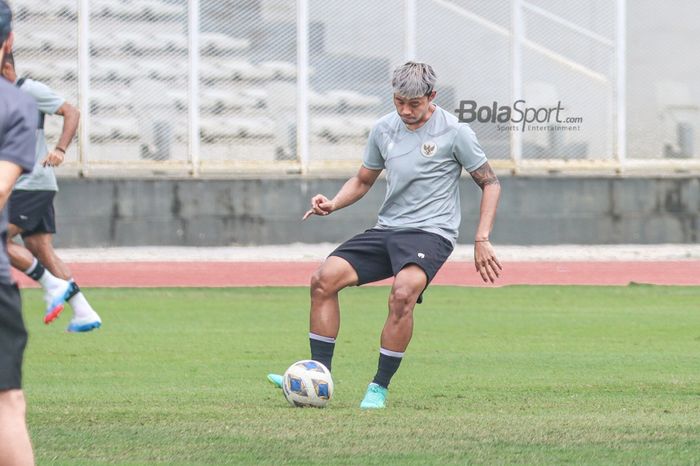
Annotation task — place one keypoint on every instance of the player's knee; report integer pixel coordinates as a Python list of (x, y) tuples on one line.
[(401, 300), (13, 402), (321, 284)]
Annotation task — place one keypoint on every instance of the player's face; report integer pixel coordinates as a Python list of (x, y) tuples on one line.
[(413, 111)]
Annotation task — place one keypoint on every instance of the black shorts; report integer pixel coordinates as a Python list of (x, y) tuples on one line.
[(377, 254), (13, 338), (32, 211)]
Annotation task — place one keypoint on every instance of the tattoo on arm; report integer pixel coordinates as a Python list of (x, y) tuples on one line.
[(484, 175)]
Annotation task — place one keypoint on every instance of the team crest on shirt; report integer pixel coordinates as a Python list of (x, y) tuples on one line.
[(428, 149)]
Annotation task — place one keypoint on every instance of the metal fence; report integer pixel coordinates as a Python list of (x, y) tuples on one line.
[(284, 85)]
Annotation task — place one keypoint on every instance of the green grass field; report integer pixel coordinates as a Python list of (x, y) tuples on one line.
[(533, 375)]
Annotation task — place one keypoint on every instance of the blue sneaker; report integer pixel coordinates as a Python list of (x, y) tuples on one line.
[(84, 325), (276, 380), (56, 302), (375, 398)]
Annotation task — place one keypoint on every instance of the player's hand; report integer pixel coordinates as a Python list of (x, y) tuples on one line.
[(53, 159), (486, 262), (320, 205)]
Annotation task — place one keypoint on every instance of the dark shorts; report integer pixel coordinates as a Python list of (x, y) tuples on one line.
[(377, 254), (13, 338), (32, 211)]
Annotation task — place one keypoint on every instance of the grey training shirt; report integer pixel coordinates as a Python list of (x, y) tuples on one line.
[(422, 171), (42, 178), (18, 121)]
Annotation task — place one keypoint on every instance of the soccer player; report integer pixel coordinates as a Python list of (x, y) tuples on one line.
[(423, 149), (18, 116), (32, 211)]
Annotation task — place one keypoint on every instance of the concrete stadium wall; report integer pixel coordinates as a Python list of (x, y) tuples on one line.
[(533, 210)]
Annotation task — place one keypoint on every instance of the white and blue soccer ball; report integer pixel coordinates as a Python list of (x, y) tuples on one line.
[(308, 383)]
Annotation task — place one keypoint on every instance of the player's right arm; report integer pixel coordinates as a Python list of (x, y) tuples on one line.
[(51, 103), (355, 187), (351, 192), (71, 119)]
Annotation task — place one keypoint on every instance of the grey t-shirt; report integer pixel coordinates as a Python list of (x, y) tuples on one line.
[(18, 120), (42, 178), (422, 171)]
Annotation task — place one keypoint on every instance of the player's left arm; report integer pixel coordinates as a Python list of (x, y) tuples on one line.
[(71, 119), (485, 259)]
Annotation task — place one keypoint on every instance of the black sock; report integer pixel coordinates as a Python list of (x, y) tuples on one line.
[(36, 272), (389, 362), (74, 290), (322, 349)]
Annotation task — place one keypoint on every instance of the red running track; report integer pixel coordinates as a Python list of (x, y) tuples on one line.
[(223, 274)]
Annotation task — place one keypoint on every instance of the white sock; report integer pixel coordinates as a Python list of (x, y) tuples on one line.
[(81, 306), (48, 281)]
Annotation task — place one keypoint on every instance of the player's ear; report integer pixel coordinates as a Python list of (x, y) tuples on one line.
[(6, 68), (432, 95)]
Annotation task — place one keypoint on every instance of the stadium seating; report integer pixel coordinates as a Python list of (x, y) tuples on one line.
[(106, 129), (241, 70)]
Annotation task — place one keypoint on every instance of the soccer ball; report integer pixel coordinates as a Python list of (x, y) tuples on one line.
[(307, 383)]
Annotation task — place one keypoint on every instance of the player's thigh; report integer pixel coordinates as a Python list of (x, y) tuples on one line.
[(40, 244), (334, 274), (367, 254), (13, 230), (429, 251)]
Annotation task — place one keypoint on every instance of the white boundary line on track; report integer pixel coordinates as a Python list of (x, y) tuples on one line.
[(317, 252)]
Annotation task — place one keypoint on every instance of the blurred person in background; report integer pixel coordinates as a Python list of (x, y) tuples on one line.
[(32, 212)]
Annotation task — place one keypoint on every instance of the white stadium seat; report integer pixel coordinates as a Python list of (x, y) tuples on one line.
[(50, 41), (279, 69), (114, 128), (258, 96), (156, 9), (38, 70), (322, 101), (114, 8), (102, 43), (243, 70), (220, 100), (67, 9), (110, 101), (341, 100), (113, 70), (216, 43), (236, 127), (335, 127), (172, 42), (178, 98), (353, 99), (66, 70), (212, 72), (137, 42), (149, 9), (254, 127), (163, 70)]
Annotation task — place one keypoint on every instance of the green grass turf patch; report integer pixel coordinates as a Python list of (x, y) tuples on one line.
[(533, 375)]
